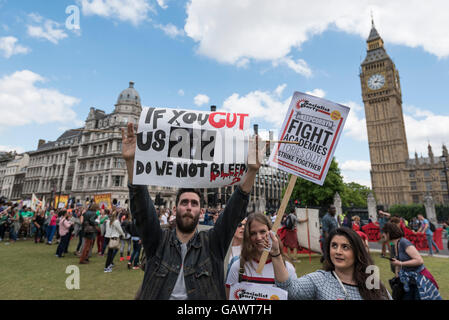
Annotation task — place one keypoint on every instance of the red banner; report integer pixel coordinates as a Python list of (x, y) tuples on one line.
[(419, 240)]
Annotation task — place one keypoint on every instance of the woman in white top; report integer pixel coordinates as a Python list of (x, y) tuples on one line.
[(113, 231), (256, 232)]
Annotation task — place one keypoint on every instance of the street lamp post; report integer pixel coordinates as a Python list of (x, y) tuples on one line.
[(443, 159)]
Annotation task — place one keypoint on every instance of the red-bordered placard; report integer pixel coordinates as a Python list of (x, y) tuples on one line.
[(320, 110)]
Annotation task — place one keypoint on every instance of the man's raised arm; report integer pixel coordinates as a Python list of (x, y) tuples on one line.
[(141, 205), (236, 208)]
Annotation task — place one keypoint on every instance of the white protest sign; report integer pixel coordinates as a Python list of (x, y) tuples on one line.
[(185, 148), (255, 291), (309, 232), (317, 125)]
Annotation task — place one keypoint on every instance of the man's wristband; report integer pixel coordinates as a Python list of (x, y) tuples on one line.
[(276, 255)]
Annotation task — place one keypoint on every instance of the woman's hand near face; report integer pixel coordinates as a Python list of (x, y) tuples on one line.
[(275, 249)]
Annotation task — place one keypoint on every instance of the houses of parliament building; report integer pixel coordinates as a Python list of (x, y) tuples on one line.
[(395, 178)]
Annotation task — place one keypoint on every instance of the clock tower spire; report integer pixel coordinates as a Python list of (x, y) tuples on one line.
[(382, 97)]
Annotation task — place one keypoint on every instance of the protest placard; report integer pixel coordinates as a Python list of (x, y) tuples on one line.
[(61, 201), (185, 148), (103, 200), (255, 291), (316, 124)]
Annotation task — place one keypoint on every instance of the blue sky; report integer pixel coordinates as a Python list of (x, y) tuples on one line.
[(249, 55)]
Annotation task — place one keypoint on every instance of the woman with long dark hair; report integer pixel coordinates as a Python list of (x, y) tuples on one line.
[(113, 232), (346, 270), (243, 269), (418, 283)]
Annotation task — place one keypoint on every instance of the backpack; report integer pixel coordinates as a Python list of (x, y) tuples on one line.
[(432, 227), (289, 223)]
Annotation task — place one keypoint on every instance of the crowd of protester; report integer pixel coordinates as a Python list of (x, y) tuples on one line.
[(115, 231), (87, 225)]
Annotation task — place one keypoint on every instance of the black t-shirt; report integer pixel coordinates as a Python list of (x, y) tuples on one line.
[(39, 220)]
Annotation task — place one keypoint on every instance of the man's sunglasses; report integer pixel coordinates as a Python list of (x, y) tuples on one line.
[(241, 225)]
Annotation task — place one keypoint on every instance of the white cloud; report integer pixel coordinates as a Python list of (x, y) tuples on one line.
[(355, 126), (162, 4), (9, 47), (360, 179), (22, 102), (356, 165), (320, 93), (46, 29), (423, 127), (201, 99), (171, 30), (280, 89), (181, 92), (299, 66), (266, 30), (133, 11), (262, 105)]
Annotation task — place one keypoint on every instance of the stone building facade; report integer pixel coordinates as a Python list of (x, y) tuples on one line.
[(395, 178), (82, 163)]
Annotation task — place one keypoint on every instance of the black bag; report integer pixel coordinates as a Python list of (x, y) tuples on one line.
[(397, 288), (289, 223), (432, 227)]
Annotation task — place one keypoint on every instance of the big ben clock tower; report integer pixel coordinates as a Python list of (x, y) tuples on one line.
[(381, 92)]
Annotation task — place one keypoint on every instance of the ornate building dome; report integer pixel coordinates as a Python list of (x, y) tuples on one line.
[(129, 96)]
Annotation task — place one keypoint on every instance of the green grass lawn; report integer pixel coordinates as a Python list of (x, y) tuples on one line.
[(32, 271)]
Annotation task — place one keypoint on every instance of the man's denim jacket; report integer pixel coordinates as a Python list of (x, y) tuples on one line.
[(203, 264)]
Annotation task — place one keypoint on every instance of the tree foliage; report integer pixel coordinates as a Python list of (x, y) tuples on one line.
[(354, 195), (311, 194)]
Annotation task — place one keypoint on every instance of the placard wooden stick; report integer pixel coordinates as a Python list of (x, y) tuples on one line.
[(308, 234), (278, 220)]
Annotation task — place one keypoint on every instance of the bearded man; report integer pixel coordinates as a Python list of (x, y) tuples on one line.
[(184, 264)]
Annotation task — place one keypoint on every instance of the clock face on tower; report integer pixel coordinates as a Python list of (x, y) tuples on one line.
[(376, 81)]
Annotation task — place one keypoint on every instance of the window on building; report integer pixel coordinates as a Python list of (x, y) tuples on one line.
[(413, 185), (108, 164), (117, 180), (89, 182), (412, 174), (80, 182), (415, 198), (443, 185), (106, 181), (426, 173), (428, 186), (445, 198)]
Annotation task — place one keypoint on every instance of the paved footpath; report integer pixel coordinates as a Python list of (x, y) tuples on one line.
[(376, 247)]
